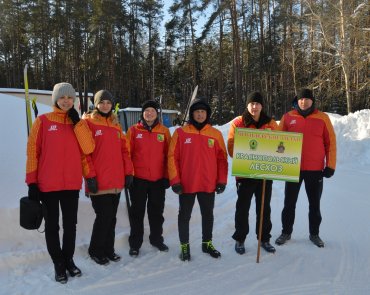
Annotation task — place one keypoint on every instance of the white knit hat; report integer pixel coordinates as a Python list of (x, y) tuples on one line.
[(63, 89)]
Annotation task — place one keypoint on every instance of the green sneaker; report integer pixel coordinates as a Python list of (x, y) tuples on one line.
[(207, 247), (185, 252)]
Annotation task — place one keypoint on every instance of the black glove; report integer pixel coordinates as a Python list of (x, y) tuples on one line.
[(129, 180), (165, 183), (74, 116), (177, 188), (220, 187), (328, 172), (33, 192), (92, 185)]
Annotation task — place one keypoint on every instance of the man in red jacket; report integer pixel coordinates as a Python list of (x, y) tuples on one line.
[(197, 165), (148, 142), (318, 160)]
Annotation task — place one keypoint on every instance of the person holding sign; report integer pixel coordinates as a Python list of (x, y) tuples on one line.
[(318, 160), (197, 167), (253, 117)]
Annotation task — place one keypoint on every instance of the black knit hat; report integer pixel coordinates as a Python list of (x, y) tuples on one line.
[(199, 104), (103, 95), (305, 93), (150, 104), (254, 97)]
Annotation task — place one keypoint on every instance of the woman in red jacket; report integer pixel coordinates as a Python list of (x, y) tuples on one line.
[(253, 117), (197, 165), (148, 142), (113, 168), (55, 166)]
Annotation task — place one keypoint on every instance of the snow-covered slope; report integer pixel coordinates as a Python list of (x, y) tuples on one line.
[(342, 267)]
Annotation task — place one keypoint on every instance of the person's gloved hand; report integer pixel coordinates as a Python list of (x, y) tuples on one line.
[(165, 183), (33, 192), (129, 180), (220, 187), (73, 115), (92, 185), (177, 188), (328, 172)]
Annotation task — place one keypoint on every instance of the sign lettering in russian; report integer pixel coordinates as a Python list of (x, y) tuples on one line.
[(267, 154)]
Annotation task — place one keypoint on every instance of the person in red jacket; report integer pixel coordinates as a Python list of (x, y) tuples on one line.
[(113, 168), (148, 142), (253, 117), (318, 160), (56, 162), (197, 165)]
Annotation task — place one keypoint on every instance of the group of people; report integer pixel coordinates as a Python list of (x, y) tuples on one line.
[(63, 149)]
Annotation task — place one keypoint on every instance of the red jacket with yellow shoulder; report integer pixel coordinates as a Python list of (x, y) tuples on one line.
[(148, 150), (319, 141), (197, 159), (110, 158), (56, 152)]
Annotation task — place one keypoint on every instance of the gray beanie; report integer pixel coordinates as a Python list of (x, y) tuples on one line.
[(103, 95), (63, 89)]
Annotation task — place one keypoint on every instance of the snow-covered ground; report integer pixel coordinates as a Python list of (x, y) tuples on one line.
[(299, 267)]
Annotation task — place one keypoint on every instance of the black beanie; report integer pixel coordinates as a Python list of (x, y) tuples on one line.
[(305, 93), (199, 104), (103, 95), (149, 104), (254, 97)]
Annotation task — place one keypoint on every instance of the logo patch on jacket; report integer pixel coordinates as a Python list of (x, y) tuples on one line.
[(98, 133), (139, 135), (211, 142), (187, 140), (53, 128), (293, 122), (160, 137)]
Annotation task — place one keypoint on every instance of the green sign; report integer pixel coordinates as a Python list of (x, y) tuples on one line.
[(267, 154)]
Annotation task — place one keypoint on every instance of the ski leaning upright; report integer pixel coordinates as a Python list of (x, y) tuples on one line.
[(27, 100), (186, 115)]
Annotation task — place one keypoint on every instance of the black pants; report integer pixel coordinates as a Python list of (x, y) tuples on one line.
[(206, 203), (314, 185), (150, 194), (68, 201), (103, 234), (246, 188)]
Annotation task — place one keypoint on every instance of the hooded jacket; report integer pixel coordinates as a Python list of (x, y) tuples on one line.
[(110, 158), (56, 152), (197, 159)]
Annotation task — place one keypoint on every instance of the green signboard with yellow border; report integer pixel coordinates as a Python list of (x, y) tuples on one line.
[(267, 154)]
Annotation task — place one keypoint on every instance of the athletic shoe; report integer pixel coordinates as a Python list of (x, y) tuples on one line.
[(73, 269), (268, 247), (317, 241), (160, 246), (239, 248), (185, 252), (207, 247), (282, 239)]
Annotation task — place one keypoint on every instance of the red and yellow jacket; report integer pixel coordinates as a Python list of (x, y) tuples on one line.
[(56, 152), (110, 158), (238, 123), (197, 159), (148, 150), (319, 142)]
